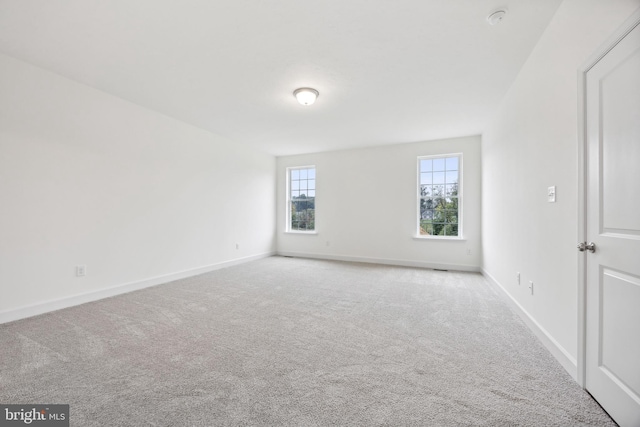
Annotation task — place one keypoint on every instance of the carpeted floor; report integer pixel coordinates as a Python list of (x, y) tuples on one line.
[(295, 342)]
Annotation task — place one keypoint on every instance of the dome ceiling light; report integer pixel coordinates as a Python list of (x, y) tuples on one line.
[(306, 95)]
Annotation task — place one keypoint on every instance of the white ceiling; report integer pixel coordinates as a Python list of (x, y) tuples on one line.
[(388, 71)]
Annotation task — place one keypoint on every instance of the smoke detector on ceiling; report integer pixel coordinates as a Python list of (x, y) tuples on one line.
[(496, 17)]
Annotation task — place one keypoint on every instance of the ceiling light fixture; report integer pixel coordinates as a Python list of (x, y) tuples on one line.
[(306, 95), (496, 17)]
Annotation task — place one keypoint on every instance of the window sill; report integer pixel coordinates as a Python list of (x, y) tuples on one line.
[(301, 232), (450, 239)]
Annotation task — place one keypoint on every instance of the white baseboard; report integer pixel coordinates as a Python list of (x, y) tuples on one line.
[(70, 301), (567, 361), (399, 262)]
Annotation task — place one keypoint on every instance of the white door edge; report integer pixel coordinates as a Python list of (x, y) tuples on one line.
[(632, 22)]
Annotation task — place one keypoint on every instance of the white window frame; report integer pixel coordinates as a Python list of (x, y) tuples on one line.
[(460, 197), (288, 228)]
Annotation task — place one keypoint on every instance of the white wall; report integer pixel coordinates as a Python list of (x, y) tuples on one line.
[(140, 198), (366, 201), (531, 145)]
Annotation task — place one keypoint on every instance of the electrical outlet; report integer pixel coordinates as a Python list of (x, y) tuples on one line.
[(551, 194), (81, 270), (531, 286), (518, 277), (237, 245)]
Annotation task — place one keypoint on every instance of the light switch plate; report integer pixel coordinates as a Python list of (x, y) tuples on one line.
[(551, 194)]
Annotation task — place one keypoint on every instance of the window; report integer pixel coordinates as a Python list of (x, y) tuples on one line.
[(440, 196), (301, 199)]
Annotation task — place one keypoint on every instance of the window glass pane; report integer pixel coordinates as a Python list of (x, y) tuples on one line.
[(426, 178), (426, 228), (295, 174), (311, 193), (303, 173), (427, 203), (425, 190), (438, 165), (451, 190), (451, 177), (426, 165), (452, 163), (427, 214), (295, 185), (311, 174), (438, 177), (311, 184), (295, 193), (438, 190), (448, 230)]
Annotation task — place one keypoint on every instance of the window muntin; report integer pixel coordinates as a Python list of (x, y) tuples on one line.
[(439, 196), (301, 199)]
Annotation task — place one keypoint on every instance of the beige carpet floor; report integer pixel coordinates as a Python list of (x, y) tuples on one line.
[(295, 342)]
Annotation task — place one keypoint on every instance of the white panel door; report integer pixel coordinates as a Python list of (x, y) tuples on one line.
[(612, 358)]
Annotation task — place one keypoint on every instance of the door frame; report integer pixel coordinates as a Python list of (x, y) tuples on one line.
[(632, 22)]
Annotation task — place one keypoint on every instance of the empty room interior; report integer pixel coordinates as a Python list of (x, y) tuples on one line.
[(320, 213)]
